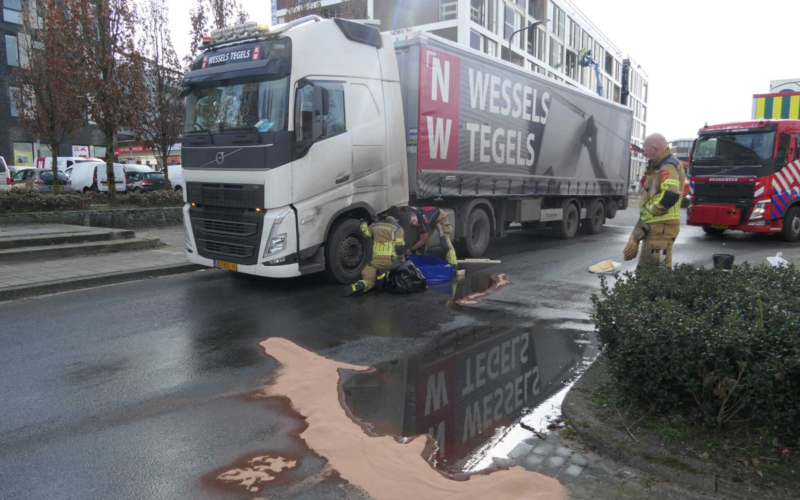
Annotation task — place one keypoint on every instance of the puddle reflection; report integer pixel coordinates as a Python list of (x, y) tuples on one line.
[(474, 382), (472, 289)]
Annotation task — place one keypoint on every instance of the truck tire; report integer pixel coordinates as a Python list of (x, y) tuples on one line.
[(478, 232), (568, 227), (713, 231), (791, 225), (611, 211), (347, 253), (594, 223)]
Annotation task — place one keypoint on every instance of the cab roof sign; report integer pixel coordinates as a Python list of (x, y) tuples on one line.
[(230, 56)]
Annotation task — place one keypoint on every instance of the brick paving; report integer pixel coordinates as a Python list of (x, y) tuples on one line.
[(587, 475)]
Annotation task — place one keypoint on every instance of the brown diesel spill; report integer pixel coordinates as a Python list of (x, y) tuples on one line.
[(384, 466)]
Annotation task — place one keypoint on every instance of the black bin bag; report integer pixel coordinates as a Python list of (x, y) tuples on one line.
[(406, 278)]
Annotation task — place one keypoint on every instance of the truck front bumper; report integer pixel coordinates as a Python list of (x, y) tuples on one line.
[(729, 217), (279, 227)]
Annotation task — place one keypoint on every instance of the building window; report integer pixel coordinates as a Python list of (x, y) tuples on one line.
[(557, 23), (14, 110), (490, 47), (617, 71), (474, 40), (509, 23), (12, 11), (572, 65), (476, 11), (537, 9), (448, 10), (536, 42), (99, 152), (23, 154), (44, 151), (575, 33), (12, 51), (556, 55)]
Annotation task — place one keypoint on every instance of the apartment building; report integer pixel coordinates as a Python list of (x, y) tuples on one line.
[(552, 48), (17, 145)]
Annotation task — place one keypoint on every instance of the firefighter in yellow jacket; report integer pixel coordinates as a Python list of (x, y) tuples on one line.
[(660, 207), (388, 249)]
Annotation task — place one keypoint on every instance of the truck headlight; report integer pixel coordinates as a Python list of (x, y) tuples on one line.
[(277, 244), (759, 210)]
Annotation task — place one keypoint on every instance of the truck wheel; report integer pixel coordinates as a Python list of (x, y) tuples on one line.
[(568, 227), (346, 252), (594, 224), (611, 212), (478, 233), (712, 231), (791, 225)]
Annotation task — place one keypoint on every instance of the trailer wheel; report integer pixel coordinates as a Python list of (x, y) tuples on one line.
[(568, 227), (594, 223), (791, 225), (713, 231), (478, 233), (346, 252)]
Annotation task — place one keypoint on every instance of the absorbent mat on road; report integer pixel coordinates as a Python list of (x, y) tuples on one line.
[(384, 466)]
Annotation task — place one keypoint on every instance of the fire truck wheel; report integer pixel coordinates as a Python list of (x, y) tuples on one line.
[(713, 231), (791, 225)]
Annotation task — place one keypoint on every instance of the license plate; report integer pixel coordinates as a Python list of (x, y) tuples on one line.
[(105, 183), (719, 226), (230, 266)]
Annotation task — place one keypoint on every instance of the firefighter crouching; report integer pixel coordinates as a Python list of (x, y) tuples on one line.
[(388, 249), (427, 220), (660, 207)]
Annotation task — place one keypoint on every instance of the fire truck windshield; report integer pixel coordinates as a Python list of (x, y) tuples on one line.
[(727, 148), (250, 103)]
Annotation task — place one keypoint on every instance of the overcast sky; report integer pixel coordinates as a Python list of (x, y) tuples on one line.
[(705, 58)]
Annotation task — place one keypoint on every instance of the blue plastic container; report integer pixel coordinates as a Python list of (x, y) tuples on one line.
[(433, 268)]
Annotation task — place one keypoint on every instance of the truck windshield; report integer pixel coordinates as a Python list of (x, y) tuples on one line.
[(250, 103), (740, 148)]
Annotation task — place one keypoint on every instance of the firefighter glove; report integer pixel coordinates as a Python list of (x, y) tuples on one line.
[(632, 249), (364, 228), (451, 257)]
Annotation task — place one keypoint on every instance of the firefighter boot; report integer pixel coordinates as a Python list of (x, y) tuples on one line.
[(356, 287)]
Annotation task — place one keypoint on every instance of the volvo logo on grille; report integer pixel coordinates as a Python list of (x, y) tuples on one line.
[(220, 158)]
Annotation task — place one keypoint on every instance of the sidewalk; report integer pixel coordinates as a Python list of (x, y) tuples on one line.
[(20, 280)]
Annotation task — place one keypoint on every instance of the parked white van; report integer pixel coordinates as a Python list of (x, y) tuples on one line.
[(63, 162), (5, 176), (175, 177), (92, 176)]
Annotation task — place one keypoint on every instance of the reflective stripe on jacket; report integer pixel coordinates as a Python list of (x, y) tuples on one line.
[(663, 190)]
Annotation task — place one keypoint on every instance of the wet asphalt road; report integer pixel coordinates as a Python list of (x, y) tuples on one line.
[(145, 390)]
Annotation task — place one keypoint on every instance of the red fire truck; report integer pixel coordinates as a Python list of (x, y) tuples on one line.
[(746, 177)]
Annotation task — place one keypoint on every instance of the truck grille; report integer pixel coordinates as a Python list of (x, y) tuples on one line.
[(724, 193), (227, 233), (226, 195)]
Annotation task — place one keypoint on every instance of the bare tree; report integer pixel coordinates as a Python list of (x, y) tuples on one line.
[(295, 9), (114, 69), (209, 15), (50, 97), (161, 123)]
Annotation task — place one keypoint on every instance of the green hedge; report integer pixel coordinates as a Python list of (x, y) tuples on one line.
[(723, 345), (30, 200)]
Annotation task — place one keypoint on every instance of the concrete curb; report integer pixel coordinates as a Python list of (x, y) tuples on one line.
[(650, 456), (66, 285)]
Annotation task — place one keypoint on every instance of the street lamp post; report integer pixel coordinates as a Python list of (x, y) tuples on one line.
[(532, 25)]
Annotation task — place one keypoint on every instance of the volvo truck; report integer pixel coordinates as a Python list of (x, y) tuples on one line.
[(296, 133), (746, 177)]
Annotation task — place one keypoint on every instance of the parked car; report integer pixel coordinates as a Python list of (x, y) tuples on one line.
[(63, 162), (132, 167), (144, 181), (41, 180), (175, 177), (92, 176), (5, 176)]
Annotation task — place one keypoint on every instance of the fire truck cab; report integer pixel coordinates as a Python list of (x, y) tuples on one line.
[(746, 177)]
